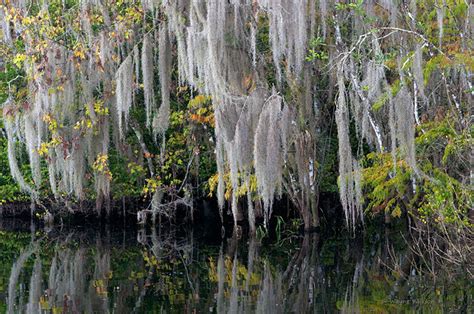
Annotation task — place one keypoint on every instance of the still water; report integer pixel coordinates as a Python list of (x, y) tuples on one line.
[(113, 269)]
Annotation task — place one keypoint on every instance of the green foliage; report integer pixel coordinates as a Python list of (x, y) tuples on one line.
[(261, 233), (328, 167), (315, 51), (440, 193), (356, 6), (443, 198), (446, 194), (127, 176), (443, 133), (10, 77)]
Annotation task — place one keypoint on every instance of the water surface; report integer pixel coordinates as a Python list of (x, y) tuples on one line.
[(126, 270)]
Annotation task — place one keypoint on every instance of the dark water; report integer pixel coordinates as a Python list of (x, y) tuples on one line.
[(117, 270)]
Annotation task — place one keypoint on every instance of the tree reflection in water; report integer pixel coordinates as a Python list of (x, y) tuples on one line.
[(171, 271)]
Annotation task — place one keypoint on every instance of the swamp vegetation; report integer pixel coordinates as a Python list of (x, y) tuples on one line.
[(329, 142)]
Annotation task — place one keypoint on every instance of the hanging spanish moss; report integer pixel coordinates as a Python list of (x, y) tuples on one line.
[(12, 136), (277, 76), (269, 150), (6, 31), (124, 91), (349, 169), (148, 78), (161, 120)]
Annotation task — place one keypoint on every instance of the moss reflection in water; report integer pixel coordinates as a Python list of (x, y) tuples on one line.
[(79, 271)]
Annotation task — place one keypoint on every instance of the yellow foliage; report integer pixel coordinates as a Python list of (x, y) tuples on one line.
[(101, 165), (19, 59), (152, 184), (44, 149), (52, 123), (100, 109), (79, 52), (242, 190)]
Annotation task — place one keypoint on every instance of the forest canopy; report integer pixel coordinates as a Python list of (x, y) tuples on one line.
[(248, 100)]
